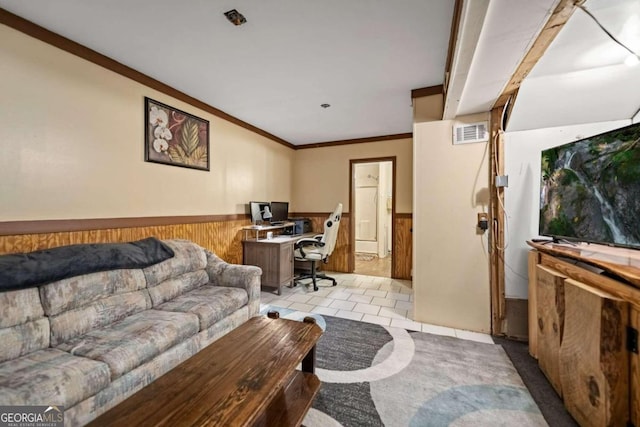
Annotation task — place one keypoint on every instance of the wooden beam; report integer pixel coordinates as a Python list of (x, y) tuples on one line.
[(427, 91), (453, 40), (506, 100), (496, 211), (555, 23)]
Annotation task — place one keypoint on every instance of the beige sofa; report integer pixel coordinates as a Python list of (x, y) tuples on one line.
[(89, 342)]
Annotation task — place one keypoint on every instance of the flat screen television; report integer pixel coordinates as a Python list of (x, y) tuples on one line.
[(260, 212), (279, 211), (590, 189)]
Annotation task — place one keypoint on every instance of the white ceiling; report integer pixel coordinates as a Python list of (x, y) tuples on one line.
[(508, 31), (361, 56), (582, 77)]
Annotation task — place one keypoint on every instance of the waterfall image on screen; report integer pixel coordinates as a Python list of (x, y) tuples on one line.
[(590, 189)]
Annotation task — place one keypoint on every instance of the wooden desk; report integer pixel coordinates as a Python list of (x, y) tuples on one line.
[(246, 378), (265, 228), (275, 258)]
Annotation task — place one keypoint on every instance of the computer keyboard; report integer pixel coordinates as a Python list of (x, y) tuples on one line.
[(277, 223)]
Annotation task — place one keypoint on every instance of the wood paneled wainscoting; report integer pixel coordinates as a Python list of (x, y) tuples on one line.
[(340, 259), (220, 233), (403, 246)]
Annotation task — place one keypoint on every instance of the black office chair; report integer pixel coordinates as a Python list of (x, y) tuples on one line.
[(319, 248)]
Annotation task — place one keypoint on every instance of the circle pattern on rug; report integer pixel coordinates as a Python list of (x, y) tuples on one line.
[(400, 357), (315, 418)]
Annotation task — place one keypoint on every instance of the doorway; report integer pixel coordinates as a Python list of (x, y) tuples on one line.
[(372, 210)]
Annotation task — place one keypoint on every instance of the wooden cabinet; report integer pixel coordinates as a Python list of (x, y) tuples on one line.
[(584, 328), (274, 257), (593, 359), (550, 322)]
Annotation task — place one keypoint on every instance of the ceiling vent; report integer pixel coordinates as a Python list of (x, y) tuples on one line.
[(470, 132), (235, 17)]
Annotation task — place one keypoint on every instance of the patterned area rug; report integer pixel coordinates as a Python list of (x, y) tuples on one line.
[(380, 376)]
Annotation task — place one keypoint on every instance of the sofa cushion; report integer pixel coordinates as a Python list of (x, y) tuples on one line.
[(20, 307), (22, 339), (23, 327), (130, 342), (209, 303), (188, 257), (79, 291), (172, 288), (51, 377), (77, 322), (130, 383)]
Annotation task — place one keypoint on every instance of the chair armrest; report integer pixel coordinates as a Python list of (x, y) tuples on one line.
[(308, 242), (246, 277), (302, 243)]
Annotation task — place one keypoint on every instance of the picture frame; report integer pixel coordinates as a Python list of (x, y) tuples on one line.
[(175, 137)]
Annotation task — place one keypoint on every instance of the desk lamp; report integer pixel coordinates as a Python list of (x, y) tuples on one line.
[(266, 213)]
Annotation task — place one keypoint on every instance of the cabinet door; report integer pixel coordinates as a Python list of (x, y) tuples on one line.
[(265, 256), (550, 321), (250, 253), (286, 263), (594, 363), (271, 264)]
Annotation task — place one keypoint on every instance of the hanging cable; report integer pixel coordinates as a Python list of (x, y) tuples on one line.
[(495, 173), (585, 10), (504, 210)]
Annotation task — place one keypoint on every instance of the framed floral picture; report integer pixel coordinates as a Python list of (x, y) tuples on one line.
[(176, 138)]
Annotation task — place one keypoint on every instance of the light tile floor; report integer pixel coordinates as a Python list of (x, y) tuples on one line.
[(369, 299)]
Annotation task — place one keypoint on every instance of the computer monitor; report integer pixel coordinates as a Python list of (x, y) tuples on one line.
[(260, 212), (279, 211)]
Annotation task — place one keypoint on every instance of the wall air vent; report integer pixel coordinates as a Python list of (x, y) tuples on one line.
[(470, 132)]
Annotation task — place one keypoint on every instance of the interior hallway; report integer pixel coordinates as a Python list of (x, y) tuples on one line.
[(372, 265)]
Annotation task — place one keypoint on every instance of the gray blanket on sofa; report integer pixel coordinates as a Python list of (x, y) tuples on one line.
[(18, 271)]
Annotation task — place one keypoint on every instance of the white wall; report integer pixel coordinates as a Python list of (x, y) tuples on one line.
[(522, 164)]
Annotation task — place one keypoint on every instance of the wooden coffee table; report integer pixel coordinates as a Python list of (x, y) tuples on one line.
[(246, 378)]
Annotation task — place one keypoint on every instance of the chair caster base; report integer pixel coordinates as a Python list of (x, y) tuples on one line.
[(314, 278)]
